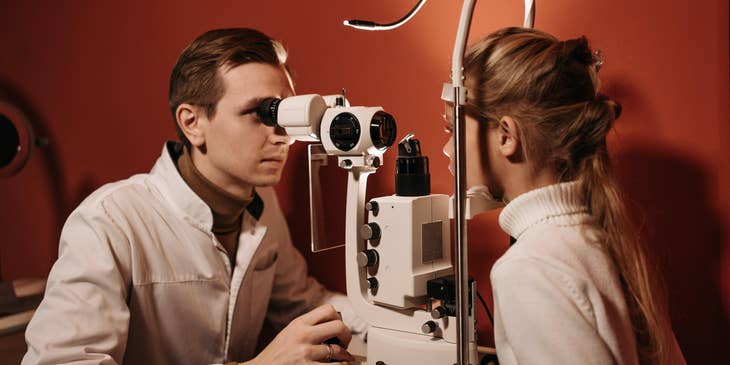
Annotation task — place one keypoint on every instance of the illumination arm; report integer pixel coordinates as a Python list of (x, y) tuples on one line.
[(370, 25)]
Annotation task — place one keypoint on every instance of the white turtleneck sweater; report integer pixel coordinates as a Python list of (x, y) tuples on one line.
[(557, 296)]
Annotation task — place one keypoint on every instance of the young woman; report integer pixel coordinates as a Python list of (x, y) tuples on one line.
[(574, 288)]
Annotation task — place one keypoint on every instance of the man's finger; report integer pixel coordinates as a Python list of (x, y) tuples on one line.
[(333, 353), (327, 330), (323, 313)]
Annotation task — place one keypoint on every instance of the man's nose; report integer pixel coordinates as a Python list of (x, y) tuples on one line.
[(280, 137)]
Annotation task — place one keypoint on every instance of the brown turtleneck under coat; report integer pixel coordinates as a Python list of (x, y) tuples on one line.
[(227, 208)]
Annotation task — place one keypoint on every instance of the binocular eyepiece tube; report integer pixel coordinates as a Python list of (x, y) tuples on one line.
[(343, 130)]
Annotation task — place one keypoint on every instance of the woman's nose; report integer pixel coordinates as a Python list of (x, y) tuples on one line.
[(448, 148)]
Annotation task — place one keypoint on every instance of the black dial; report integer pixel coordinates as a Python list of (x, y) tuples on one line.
[(345, 131)]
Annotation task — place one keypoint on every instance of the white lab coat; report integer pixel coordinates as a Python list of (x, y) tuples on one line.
[(140, 279)]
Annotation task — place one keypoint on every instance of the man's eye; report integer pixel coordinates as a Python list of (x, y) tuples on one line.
[(249, 111)]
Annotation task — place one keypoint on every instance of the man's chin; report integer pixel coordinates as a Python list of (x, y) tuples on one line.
[(268, 180)]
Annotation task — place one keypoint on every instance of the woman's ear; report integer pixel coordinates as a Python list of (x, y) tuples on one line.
[(191, 121), (509, 140)]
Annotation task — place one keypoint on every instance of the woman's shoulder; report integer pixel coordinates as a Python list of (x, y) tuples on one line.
[(565, 257), (568, 250)]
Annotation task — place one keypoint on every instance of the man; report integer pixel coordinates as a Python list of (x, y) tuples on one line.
[(182, 265)]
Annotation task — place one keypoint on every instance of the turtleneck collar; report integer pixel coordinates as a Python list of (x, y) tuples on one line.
[(225, 207), (556, 204)]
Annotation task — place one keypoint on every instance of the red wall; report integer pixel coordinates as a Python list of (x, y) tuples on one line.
[(95, 74)]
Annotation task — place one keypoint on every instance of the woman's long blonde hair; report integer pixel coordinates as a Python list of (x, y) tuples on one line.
[(551, 89)]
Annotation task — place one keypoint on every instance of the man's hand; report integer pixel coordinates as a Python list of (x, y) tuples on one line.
[(301, 342)]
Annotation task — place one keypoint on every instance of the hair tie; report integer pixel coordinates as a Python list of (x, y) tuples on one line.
[(597, 59)]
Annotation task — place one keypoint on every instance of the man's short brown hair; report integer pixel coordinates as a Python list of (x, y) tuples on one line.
[(195, 78)]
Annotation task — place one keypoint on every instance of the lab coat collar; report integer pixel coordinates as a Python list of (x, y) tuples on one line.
[(189, 206)]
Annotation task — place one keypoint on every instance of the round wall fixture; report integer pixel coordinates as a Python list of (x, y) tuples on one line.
[(16, 139)]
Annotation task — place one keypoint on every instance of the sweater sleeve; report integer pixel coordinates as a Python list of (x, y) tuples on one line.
[(542, 316)]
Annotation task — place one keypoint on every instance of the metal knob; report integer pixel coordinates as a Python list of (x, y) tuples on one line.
[(373, 161), (372, 206), (429, 327), (367, 258), (438, 312), (372, 283), (370, 231)]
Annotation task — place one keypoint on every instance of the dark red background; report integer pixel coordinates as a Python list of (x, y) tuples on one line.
[(94, 77)]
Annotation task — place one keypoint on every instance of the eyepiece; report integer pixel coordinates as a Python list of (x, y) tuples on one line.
[(268, 111)]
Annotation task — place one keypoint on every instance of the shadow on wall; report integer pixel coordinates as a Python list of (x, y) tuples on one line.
[(668, 195)]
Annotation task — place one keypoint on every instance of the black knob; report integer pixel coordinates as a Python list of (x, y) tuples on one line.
[(370, 231), (346, 164), (429, 327), (372, 206), (438, 312), (367, 258), (372, 283)]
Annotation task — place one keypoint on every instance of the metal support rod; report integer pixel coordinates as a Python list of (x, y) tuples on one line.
[(462, 269)]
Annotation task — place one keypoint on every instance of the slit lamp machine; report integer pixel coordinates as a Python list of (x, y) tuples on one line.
[(398, 262)]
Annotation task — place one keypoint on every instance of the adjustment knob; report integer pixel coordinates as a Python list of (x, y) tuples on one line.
[(370, 231), (346, 164), (429, 327), (367, 258), (372, 206), (372, 283), (438, 312)]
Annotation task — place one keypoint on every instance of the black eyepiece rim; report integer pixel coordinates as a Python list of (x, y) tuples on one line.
[(268, 111)]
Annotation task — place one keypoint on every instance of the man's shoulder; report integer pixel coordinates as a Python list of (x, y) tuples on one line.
[(110, 211), (132, 191)]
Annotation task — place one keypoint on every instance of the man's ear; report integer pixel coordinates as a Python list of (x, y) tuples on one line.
[(191, 121), (509, 138)]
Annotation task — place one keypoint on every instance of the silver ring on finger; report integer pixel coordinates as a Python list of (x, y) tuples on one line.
[(328, 358)]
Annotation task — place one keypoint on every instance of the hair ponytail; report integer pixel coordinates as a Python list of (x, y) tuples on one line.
[(644, 298)]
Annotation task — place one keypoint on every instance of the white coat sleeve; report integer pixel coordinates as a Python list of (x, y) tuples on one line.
[(84, 317), (543, 317)]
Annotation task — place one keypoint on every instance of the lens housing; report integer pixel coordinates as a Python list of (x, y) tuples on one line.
[(345, 131), (383, 130)]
